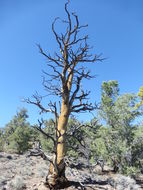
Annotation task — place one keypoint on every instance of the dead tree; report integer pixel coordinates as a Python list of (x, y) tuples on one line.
[(67, 71)]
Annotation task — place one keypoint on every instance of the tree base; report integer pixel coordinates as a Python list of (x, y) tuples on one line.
[(55, 182)]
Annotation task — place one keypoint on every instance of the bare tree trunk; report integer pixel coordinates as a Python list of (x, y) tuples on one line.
[(56, 175)]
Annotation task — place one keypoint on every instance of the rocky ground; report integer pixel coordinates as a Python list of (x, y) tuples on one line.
[(19, 172)]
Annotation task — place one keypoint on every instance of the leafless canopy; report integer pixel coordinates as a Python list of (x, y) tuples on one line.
[(70, 62), (68, 68)]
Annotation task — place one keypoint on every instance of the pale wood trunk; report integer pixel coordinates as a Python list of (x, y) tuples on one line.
[(56, 176)]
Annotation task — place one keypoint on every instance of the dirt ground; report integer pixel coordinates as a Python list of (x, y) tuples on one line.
[(19, 172)]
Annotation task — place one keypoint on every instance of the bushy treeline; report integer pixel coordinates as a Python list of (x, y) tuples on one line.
[(16, 135), (115, 135)]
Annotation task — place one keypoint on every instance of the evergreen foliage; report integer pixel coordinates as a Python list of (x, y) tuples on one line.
[(17, 133), (120, 114), (118, 140)]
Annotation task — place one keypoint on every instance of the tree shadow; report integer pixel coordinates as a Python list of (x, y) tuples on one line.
[(89, 181), (85, 184)]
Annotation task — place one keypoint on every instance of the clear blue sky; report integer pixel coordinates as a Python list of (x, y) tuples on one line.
[(115, 29)]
